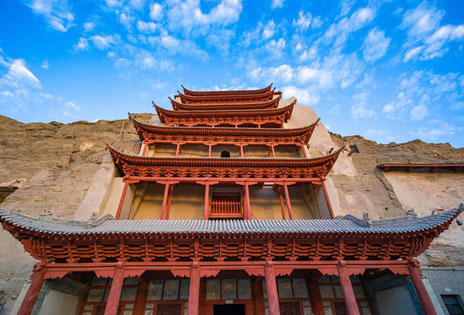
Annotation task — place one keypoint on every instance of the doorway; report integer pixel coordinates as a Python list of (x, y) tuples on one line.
[(229, 309)]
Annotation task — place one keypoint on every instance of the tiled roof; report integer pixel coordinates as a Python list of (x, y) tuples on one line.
[(347, 224)]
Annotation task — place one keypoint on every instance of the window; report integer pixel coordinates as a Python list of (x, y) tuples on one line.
[(333, 299), (453, 304)]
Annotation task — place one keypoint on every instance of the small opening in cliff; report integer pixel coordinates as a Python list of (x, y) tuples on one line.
[(353, 149)]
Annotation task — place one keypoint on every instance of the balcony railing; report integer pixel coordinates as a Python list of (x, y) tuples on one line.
[(226, 209)]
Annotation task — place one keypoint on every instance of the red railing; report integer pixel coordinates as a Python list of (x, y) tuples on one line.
[(225, 209)]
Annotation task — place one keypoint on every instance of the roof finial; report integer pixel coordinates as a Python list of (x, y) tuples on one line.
[(47, 214), (411, 213)]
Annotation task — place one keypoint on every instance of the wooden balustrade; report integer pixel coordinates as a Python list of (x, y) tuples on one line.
[(225, 209)]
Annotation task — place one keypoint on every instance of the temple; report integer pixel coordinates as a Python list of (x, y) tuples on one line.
[(224, 210)]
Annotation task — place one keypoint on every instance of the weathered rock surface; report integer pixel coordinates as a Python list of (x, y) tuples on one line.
[(49, 166)]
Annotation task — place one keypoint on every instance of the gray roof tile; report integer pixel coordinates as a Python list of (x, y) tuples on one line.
[(347, 224)]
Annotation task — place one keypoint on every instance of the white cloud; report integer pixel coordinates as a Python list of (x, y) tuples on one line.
[(302, 95), (146, 27), (435, 130), (73, 106), (188, 14), (338, 32), (19, 75), (304, 21), (426, 38), (276, 47), (137, 4), (412, 53), (277, 4), (82, 44), (269, 30), (20, 88), (421, 20), (419, 112), (89, 26), (102, 42), (360, 109), (44, 64), (56, 12), (375, 45), (156, 11), (283, 73)]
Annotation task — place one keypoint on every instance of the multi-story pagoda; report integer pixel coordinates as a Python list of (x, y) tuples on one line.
[(223, 211)]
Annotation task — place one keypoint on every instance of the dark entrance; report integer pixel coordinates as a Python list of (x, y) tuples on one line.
[(229, 309)]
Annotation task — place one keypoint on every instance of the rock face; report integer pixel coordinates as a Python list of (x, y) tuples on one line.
[(52, 166), (48, 166)]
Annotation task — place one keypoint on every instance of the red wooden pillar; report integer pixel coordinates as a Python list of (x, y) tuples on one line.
[(424, 298), (282, 205), (258, 296), (144, 150), (177, 149), (210, 150), (246, 215), (206, 210), (273, 151), (241, 151), (140, 299), (329, 205), (271, 289), (165, 199), (289, 205), (168, 209), (350, 299), (37, 280), (194, 291), (121, 201), (315, 297), (115, 291)]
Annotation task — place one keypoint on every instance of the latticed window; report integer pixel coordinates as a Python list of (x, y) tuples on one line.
[(453, 304), (333, 299)]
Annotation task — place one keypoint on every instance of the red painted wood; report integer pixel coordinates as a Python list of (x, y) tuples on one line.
[(289, 205), (177, 149), (206, 210), (121, 201), (282, 205), (165, 199), (273, 151), (350, 300), (140, 299), (258, 296), (194, 291), (168, 209), (315, 297), (327, 199), (145, 145), (115, 291), (246, 215), (424, 298), (37, 280), (271, 289)]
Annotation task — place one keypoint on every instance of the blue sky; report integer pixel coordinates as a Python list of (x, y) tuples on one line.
[(387, 70)]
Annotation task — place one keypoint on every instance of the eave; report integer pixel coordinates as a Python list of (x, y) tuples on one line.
[(274, 103), (223, 93), (214, 117), (308, 170), (223, 135), (58, 240), (244, 98)]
